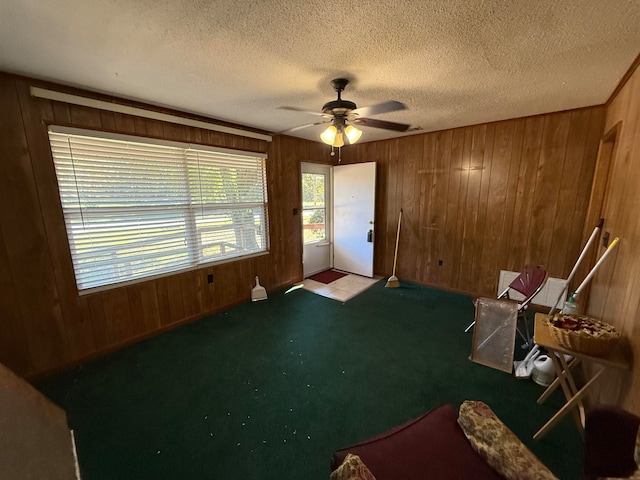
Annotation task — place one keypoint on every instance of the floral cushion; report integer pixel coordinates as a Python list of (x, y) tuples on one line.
[(352, 469), (498, 445)]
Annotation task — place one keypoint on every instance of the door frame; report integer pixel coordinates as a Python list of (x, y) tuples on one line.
[(327, 170)]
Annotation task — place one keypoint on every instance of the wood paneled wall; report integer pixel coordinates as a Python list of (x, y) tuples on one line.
[(484, 198), (478, 199), (615, 292), (44, 323)]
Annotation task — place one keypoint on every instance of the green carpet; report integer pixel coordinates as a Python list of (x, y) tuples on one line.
[(268, 390)]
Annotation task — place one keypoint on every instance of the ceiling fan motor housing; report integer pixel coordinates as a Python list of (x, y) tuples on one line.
[(339, 106)]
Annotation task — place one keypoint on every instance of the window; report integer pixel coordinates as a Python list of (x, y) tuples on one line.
[(313, 207), (137, 207)]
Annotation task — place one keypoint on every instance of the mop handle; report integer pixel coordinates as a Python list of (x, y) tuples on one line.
[(611, 246), (593, 236)]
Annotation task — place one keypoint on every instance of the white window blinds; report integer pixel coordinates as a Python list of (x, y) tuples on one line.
[(135, 209)]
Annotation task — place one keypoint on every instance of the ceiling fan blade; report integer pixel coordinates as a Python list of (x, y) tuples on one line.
[(303, 111), (372, 122), (385, 107), (305, 126)]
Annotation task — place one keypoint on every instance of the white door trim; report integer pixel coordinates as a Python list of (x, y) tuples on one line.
[(318, 256)]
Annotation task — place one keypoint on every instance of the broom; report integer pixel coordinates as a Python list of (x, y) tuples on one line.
[(393, 280)]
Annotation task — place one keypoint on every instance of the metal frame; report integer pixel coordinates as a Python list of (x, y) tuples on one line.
[(522, 306)]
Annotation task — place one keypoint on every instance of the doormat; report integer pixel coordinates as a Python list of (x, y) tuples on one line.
[(328, 276)]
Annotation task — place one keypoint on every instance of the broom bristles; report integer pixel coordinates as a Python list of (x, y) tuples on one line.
[(393, 282)]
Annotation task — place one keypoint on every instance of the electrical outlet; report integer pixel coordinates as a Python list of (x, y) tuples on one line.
[(210, 278), (440, 262)]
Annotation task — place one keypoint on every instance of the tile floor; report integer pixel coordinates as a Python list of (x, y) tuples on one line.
[(343, 289)]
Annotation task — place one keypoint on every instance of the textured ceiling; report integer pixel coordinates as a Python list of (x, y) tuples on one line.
[(453, 63)]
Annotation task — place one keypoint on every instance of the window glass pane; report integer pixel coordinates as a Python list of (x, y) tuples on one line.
[(313, 203), (313, 190), (313, 225), (125, 246), (230, 232)]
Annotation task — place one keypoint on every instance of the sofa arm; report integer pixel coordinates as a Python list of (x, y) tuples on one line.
[(498, 445), (430, 446)]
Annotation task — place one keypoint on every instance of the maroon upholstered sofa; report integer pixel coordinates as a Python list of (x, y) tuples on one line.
[(430, 446), (436, 446)]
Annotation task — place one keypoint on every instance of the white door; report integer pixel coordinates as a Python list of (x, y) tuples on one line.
[(354, 198), (316, 218)]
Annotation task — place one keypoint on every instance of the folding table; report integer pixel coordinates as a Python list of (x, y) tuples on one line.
[(542, 336)]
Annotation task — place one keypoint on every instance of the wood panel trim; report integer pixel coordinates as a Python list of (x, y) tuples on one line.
[(140, 112), (623, 81), (600, 185)]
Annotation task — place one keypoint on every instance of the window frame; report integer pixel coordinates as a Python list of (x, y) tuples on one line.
[(325, 209), (193, 238)]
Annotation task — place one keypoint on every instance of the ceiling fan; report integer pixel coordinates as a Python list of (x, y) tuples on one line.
[(343, 115)]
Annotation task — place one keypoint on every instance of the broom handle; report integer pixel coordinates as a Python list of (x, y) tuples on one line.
[(395, 255), (584, 250), (612, 245), (596, 230)]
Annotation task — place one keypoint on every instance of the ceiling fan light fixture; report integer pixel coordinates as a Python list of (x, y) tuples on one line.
[(340, 112), (339, 141), (329, 135), (352, 133)]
